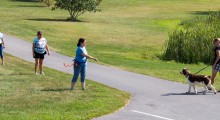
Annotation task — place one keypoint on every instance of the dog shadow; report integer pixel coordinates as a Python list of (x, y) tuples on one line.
[(198, 93)]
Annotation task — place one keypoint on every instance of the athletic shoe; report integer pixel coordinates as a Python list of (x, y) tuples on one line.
[(42, 73)]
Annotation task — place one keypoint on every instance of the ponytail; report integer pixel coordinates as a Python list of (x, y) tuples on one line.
[(78, 44), (81, 40)]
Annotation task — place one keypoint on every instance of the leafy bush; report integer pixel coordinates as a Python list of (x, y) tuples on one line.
[(191, 40)]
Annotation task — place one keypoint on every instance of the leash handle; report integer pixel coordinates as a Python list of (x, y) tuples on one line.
[(202, 69)]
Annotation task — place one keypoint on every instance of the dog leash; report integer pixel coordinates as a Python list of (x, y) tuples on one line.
[(202, 69)]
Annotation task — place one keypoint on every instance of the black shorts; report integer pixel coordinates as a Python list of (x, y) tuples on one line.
[(38, 55)]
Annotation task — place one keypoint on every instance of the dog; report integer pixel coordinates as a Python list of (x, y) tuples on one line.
[(193, 79)]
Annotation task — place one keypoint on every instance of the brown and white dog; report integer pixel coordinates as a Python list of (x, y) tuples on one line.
[(193, 79)]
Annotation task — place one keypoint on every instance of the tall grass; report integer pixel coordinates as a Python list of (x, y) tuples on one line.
[(191, 40)]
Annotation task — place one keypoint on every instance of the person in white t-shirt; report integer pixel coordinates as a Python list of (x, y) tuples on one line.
[(39, 49), (2, 46)]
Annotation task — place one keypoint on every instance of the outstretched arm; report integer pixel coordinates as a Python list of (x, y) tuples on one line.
[(88, 56)]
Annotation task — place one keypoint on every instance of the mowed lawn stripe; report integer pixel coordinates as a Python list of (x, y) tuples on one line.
[(27, 96), (128, 34)]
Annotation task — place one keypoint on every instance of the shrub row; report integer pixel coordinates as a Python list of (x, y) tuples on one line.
[(191, 40)]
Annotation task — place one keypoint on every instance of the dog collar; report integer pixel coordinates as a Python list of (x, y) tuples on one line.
[(187, 75)]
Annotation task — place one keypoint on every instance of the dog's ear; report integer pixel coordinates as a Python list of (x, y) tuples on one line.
[(186, 70)]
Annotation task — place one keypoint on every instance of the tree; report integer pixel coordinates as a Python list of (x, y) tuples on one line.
[(77, 7)]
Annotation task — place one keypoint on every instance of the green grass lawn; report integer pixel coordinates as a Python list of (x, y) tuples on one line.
[(128, 34), (25, 96)]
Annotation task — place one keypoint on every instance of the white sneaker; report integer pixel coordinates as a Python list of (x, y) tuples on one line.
[(42, 73), (36, 74)]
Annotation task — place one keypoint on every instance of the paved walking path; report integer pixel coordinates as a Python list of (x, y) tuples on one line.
[(152, 98)]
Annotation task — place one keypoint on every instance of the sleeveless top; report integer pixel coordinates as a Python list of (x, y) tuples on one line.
[(40, 45), (216, 49)]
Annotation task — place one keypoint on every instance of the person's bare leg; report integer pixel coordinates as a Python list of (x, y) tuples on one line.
[(2, 60), (36, 65), (83, 85), (72, 85), (41, 66), (214, 72)]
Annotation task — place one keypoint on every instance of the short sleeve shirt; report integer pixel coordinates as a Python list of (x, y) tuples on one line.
[(1, 37), (79, 57), (40, 45)]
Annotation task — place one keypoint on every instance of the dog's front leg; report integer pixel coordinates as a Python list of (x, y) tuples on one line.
[(206, 89), (213, 88), (189, 88), (194, 87)]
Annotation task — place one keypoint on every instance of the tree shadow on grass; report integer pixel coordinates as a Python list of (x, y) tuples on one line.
[(25, 0), (55, 89), (202, 12), (55, 20), (39, 6), (35, 5)]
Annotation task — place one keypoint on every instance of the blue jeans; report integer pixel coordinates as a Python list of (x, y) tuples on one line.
[(80, 69), (1, 51)]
